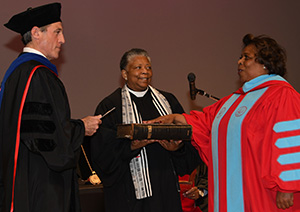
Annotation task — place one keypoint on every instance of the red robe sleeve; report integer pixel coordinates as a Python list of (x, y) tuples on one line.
[(281, 145)]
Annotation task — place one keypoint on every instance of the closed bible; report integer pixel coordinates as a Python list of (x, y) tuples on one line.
[(154, 131)]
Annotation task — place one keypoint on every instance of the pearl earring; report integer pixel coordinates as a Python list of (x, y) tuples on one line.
[(265, 67)]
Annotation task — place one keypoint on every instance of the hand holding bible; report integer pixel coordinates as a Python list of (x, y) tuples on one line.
[(170, 145), (136, 144)]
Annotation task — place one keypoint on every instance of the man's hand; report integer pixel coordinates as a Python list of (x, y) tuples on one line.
[(284, 200), (91, 124)]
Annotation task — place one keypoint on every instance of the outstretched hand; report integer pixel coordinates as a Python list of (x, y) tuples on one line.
[(168, 119)]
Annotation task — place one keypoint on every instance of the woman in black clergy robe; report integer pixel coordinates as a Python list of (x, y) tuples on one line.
[(139, 176)]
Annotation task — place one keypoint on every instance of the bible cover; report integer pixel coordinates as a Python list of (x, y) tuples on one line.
[(154, 131)]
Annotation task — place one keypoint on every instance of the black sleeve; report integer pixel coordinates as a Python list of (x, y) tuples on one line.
[(1, 186), (110, 155), (46, 127), (201, 181), (174, 103), (186, 159)]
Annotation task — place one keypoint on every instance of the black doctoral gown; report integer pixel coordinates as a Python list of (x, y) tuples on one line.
[(111, 158), (50, 141)]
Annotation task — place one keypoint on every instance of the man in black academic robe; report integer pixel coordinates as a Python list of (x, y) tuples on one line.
[(39, 142)]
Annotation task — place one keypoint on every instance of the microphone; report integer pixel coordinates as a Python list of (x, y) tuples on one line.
[(193, 90)]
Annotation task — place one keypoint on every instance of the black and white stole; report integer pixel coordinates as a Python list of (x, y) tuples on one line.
[(139, 165)]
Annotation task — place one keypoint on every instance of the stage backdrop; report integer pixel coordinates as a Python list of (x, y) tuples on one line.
[(181, 36)]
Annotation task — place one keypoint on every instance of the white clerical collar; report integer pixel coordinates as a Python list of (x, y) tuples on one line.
[(138, 93), (31, 50)]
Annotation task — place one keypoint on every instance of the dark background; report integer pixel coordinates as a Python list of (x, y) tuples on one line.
[(181, 36)]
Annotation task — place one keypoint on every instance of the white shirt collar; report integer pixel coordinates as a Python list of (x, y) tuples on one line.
[(31, 50), (138, 93)]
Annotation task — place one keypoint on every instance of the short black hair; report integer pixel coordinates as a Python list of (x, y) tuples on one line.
[(269, 53)]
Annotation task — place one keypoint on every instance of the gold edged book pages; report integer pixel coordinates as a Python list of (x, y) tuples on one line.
[(154, 131)]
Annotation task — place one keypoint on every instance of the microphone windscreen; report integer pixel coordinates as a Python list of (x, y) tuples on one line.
[(191, 77), (193, 90)]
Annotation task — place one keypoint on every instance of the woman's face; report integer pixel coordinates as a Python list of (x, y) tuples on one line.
[(138, 73), (248, 68)]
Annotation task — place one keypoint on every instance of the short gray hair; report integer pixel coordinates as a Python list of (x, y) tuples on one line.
[(132, 53), (26, 38)]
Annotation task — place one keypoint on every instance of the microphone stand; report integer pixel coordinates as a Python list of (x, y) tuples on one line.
[(203, 93)]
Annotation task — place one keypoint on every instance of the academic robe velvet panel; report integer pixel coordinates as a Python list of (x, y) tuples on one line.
[(250, 141), (49, 143), (111, 158)]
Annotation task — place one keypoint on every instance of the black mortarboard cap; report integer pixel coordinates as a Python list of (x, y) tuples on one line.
[(38, 16)]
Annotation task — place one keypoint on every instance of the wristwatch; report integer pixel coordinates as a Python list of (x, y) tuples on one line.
[(203, 192)]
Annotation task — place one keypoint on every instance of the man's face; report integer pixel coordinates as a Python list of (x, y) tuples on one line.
[(51, 40)]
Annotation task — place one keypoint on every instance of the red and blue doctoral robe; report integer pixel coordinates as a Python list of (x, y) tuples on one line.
[(251, 143)]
